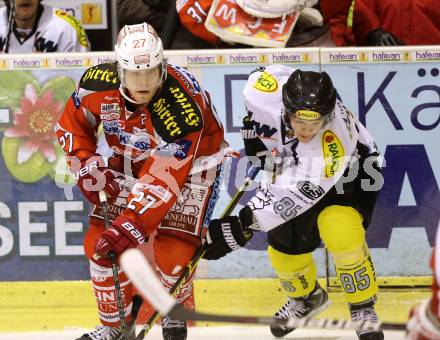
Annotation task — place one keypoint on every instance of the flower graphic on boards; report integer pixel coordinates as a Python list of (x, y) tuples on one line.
[(33, 124), (29, 147)]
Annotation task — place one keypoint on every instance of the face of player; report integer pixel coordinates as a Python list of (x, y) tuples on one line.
[(305, 130), (25, 12), (142, 85)]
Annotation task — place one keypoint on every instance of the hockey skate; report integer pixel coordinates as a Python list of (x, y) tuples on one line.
[(173, 329), (109, 333), (365, 312), (301, 307), (114, 333)]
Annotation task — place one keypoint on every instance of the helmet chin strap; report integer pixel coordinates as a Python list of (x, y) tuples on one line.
[(127, 97)]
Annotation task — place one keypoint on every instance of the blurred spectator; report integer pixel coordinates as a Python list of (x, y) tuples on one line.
[(382, 22), (240, 23), (338, 15), (244, 23), (162, 15), (396, 22), (28, 26)]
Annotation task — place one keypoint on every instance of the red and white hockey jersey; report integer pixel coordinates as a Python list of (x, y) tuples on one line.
[(159, 145)]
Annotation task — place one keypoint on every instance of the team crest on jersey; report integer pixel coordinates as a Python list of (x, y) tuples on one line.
[(266, 82), (333, 153)]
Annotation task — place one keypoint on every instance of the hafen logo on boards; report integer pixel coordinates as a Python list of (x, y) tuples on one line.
[(333, 153), (202, 59), (285, 57), (72, 62), (29, 63)]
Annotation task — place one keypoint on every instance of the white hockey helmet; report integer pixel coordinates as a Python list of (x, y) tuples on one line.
[(273, 8), (138, 47)]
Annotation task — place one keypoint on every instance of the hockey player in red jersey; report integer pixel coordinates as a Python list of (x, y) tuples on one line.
[(424, 322), (159, 128)]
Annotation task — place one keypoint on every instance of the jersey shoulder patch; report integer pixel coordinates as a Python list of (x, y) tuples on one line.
[(76, 25), (185, 77), (102, 77), (174, 112), (266, 82)]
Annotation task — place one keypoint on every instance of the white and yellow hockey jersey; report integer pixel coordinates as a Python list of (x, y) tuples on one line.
[(54, 31), (306, 171)]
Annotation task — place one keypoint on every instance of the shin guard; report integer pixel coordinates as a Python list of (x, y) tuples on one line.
[(342, 231), (297, 273), (106, 296)]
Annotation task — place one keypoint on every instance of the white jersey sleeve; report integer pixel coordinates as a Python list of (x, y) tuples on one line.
[(307, 170)]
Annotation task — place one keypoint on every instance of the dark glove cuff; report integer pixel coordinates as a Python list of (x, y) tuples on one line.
[(373, 37), (246, 218)]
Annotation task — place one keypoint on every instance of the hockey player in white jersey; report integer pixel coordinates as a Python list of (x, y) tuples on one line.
[(313, 195), (27, 26)]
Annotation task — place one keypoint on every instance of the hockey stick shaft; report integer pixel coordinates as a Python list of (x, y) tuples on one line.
[(121, 309), (149, 285), (11, 22), (180, 313), (192, 265)]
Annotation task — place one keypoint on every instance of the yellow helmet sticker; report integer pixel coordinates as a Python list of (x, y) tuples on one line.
[(74, 22), (307, 114), (333, 153), (266, 82)]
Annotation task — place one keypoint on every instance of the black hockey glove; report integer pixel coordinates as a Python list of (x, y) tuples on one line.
[(253, 146), (379, 37), (228, 234)]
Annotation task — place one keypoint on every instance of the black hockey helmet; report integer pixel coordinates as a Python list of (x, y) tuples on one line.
[(309, 95)]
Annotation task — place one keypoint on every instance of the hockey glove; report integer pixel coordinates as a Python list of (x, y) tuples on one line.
[(379, 37), (93, 177), (123, 234), (228, 234), (253, 146), (420, 325)]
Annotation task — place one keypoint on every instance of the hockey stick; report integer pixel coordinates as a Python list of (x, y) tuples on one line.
[(11, 21), (121, 310), (192, 265), (145, 279)]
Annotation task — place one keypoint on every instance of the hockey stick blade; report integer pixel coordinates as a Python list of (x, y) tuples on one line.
[(146, 281)]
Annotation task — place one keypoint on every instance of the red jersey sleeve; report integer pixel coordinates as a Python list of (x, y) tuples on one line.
[(192, 14), (76, 129)]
